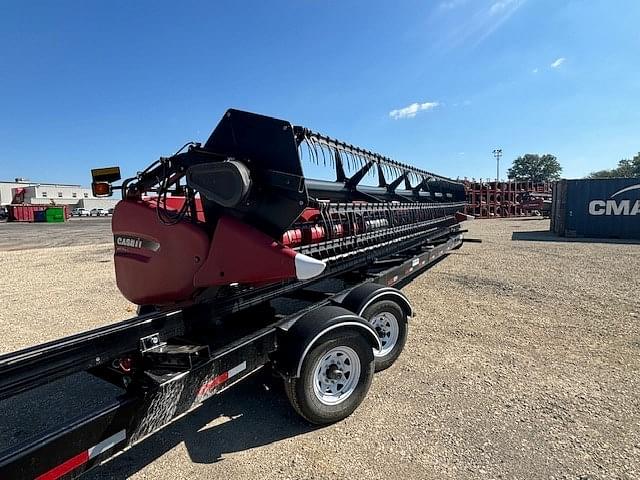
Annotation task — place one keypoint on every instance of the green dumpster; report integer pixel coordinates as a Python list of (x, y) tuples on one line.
[(55, 215)]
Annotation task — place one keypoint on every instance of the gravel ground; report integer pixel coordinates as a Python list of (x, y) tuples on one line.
[(522, 362), (76, 231), (49, 283)]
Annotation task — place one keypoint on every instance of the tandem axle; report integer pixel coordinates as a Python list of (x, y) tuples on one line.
[(325, 340)]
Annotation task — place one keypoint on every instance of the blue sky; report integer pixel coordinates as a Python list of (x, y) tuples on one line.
[(435, 83)]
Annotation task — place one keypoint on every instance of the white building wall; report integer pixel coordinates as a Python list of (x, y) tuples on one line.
[(46, 193), (7, 190), (58, 194), (6, 194)]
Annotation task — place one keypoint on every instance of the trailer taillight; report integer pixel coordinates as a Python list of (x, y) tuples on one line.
[(101, 189), (102, 178)]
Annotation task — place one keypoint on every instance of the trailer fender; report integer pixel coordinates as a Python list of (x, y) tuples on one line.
[(299, 337), (358, 299)]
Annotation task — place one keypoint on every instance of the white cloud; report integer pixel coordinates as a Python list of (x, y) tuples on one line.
[(412, 110), (491, 20), (475, 22), (558, 62), (500, 6), (449, 4), (535, 70)]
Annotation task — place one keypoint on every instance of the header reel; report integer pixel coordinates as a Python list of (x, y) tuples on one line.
[(241, 201)]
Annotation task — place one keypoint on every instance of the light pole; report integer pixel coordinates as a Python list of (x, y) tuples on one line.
[(497, 152)]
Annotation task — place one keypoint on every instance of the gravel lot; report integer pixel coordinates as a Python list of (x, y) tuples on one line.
[(522, 362)]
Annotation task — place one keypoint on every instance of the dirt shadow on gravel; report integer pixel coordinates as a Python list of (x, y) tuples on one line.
[(247, 415), (547, 236)]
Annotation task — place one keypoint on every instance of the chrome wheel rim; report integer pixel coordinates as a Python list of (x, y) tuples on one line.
[(336, 375), (388, 329)]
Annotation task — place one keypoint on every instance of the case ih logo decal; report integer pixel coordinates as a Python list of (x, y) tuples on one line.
[(616, 207), (135, 242)]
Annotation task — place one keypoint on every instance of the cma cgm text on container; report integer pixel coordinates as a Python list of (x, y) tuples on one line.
[(607, 207), (613, 206)]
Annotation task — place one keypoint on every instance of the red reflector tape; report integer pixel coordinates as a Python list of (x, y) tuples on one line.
[(223, 377), (213, 383), (65, 467), (83, 457)]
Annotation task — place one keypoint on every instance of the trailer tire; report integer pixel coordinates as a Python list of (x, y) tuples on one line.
[(317, 394), (390, 322)]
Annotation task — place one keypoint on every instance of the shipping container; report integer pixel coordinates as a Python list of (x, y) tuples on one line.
[(25, 212), (40, 216), (606, 207)]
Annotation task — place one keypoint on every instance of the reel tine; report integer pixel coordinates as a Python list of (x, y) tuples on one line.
[(348, 160), (324, 158), (372, 171), (357, 161), (304, 152), (334, 155), (311, 152), (315, 152)]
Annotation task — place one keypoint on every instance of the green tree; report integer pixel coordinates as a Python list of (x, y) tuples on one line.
[(535, 168), (626, 168)]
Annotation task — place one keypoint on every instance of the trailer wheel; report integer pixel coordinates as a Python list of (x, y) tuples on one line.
[(390, 323), (334, 379)]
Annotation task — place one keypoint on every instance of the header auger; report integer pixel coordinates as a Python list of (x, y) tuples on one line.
[(238, 211)]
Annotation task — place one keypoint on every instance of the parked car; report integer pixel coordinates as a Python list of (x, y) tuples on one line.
[(80, 212), (111, 211), (99, 212), (3, 213)]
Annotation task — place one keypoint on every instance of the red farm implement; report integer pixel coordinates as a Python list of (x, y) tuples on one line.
[(238, 261), (507, 199)]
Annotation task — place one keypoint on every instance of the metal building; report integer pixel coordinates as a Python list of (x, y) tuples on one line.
[(37, 193), (607, 207), (44, 194), (41, 193)]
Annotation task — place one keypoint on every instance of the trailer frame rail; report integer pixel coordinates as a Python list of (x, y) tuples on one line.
[(179, 372)]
